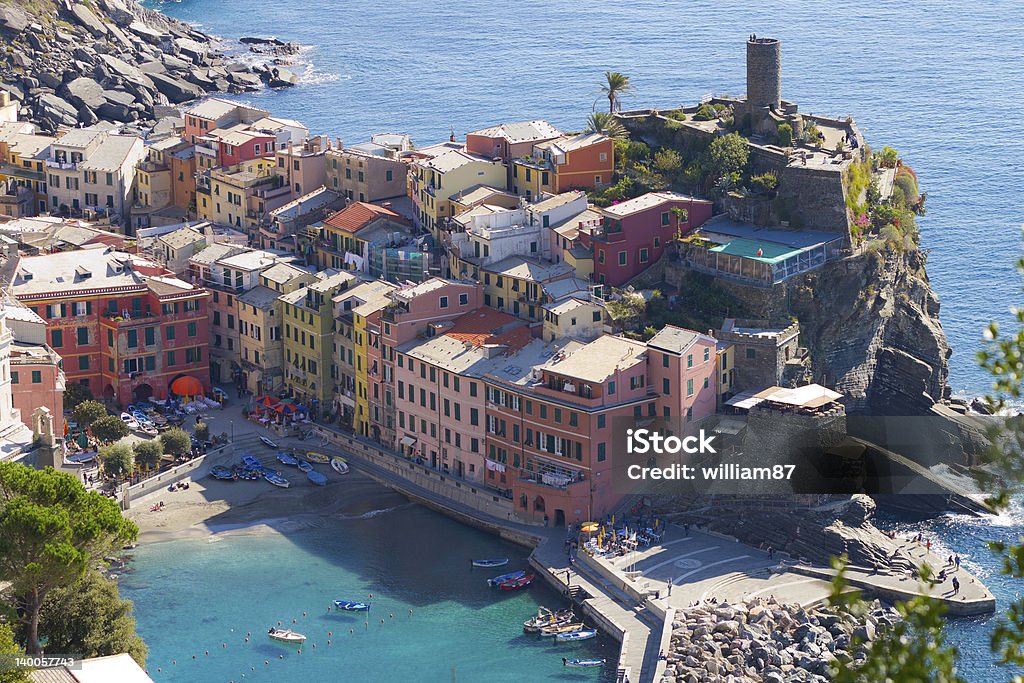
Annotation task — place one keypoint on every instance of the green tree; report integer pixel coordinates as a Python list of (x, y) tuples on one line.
[(117, 459), (668, 161), (76, 393), (9, 647), (202, 431), (615, 86), (176, 441), (705, 113), (148, 452), (784, 135), (50, 529), (606, 124), (87, 412), (109, 428), (726, 155), (91, 619), (888, 157)]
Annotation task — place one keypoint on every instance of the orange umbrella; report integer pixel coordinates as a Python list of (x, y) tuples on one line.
[(187, 386)]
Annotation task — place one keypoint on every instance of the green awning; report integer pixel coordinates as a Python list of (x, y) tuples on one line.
[(770, 252)]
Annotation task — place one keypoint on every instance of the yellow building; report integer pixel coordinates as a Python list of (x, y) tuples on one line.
[(574, 319), (517, 285), (446, 176), (260, 323), (725, 362), (308, 315), (236, 195), (23, 157)]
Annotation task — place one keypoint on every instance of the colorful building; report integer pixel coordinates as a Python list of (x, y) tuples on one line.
[(36, 371), (586, 160), (366, 173), (446, 175), (507, 141), (209, 115)]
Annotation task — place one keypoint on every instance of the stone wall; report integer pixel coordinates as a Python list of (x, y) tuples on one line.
[(760, 359)]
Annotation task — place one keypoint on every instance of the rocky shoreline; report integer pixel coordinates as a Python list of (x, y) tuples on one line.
[(70, 63), (762, 641)]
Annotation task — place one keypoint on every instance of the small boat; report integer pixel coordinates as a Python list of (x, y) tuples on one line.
[(546, 618), (268, 442), (276, 479), (571, 627), (583, 663), (352, 606), (506, 577), (286, 636), (491, 563), (517, 584), (149, 430), (313, 456), (582, 634), (339, 465), (221, 472), (317, 478), (251, 462), (82, 458), (304, 466), (287, 458)]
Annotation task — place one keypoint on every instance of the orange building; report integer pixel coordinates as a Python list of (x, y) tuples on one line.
[(584, 161)]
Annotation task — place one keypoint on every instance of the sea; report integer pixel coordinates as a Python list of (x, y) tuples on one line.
[(939, 81)]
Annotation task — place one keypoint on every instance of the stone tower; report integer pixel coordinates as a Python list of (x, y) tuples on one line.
[(764, 73)]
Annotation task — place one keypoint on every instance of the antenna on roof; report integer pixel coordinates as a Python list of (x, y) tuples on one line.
[(452, 136)]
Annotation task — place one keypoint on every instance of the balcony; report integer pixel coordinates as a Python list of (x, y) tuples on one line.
[(62, 165), (132, 318)]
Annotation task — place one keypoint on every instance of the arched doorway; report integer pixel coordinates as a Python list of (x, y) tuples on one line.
[(538, 504), (559, 517), (143, 392), (108, 392)]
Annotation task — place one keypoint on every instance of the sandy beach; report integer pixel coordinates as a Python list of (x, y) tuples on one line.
[(210, 506)]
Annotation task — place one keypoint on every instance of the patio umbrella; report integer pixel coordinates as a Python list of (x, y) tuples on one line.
[(589, 527), (187, 386), (267, 401)]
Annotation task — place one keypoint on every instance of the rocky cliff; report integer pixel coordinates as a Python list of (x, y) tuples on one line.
[(69, 62)]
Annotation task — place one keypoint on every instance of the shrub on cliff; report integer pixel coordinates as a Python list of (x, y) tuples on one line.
[(784, 135), (765, 182), (705, 113), (906, 180), (726, 155)]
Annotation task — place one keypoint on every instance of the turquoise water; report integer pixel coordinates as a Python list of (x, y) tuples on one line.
[(940, 82), (194, 596)]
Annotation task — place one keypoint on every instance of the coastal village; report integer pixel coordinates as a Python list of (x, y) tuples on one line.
[(472, 319)]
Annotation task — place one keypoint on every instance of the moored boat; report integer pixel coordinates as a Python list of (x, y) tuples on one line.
[(350, 606), (317, 478), (286, 636), (546, 617), (491, 563), (582, 634), (287, 458), (518, 583), (570, 627), (506, 577), (339, 465), (276, 479), (313, 456), (130, 422), (583, 663), (251, 462), (268, 442), (221, 472), (304, 466)]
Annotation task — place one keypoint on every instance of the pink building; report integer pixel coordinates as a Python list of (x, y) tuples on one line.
[(636, 232), (510, 140), (37, 375)]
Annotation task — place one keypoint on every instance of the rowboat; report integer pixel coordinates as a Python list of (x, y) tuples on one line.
[(561, 628), (251, 462), (582, 634), (546, 617), (517, 584), (313, 456), (304, 466), (286, 636), (583, 663), (317, 478), (268, 442), (130, 422), (221, 472), (339, 465), (348, 606), (491, 563), (287, 458), (149, 429), (276, 479), (506, 577)]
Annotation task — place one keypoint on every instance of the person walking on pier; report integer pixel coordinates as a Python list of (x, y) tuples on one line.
[(956, 586)]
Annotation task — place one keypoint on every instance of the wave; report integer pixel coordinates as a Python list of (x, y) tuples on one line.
[(374, 513)]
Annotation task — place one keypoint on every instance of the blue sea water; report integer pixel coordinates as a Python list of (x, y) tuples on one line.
[(442, 623), (939, 81)]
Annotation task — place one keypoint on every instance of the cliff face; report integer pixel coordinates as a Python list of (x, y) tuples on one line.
[(69, 62)]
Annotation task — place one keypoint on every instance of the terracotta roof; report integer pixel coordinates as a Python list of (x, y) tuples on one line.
[(487, 326), (358, 215)]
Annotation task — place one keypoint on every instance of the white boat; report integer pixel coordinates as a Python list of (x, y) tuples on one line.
[(268, 442), (276, 479), (130, 422), (286, 636), (339, 465), (491, 563), (585, 634), (582, 663)]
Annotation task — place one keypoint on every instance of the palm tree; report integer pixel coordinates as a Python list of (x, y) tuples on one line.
[(602, 122), (616, 85)]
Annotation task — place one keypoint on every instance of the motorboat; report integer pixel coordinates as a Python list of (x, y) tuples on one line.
[(545, 618), (286, 636), (304, 466), (286, 458), (317, 478), (491, 563), (276, 479), (313, 456), (583, 663), (506, 577), (349, 606), (339, 465), (582, 634), (130, 421), (570, 627), (221, 472), (517, 584), (268, 443)]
